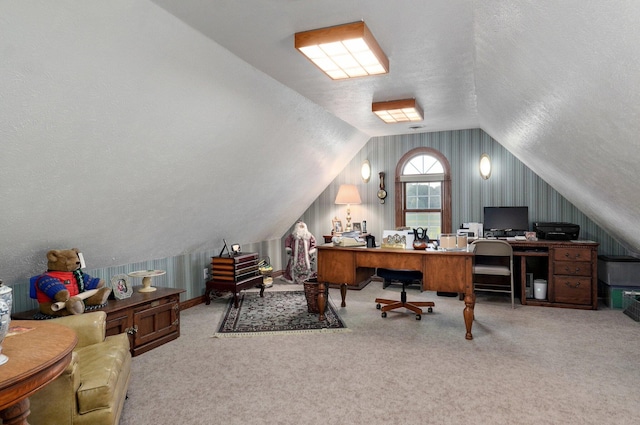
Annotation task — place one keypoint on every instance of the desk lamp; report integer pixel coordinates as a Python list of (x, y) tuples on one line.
[(347, 195)]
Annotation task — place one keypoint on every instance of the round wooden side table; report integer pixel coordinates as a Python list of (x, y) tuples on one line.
[(38, 353)]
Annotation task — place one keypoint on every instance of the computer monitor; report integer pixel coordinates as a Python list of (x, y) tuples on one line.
[(506, 219)]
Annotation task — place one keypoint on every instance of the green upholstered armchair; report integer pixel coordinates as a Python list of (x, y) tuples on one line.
[(93, 387)]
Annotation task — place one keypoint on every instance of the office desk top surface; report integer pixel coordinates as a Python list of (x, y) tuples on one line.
[(396, 250)]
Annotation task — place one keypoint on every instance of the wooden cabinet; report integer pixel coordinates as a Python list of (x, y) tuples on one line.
[(149, 318), (572, 275), (570, 269), (234, 273)]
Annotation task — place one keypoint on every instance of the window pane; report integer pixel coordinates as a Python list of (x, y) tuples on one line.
[(426, 220), (423, 196), (423, 164), (435, 196)]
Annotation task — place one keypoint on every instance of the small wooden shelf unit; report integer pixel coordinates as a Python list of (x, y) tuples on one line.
[(234, 273)]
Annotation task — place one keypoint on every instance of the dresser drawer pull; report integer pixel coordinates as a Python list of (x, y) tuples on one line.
[(568, 284), (568, 270), (566, 254)]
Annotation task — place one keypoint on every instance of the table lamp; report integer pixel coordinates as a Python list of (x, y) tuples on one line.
[(347, 195)]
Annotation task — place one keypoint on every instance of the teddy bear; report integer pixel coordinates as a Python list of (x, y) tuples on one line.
[(64, 282)]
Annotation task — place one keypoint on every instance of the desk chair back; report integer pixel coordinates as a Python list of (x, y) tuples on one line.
[(488, 256)]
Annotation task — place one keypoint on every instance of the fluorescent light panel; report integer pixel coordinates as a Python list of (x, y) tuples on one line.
[(343, 51), (395, 111)]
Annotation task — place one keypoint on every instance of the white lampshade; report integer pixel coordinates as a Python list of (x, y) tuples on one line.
[(348, 194)]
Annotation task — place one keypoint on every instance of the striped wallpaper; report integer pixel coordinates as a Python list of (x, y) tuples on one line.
[(511, 184)]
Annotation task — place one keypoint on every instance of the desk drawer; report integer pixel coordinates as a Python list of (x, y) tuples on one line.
[(572, 254), (572, 268), (572, 290)]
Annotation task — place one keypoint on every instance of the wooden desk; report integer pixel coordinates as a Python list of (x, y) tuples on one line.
[(570, 268), (442, 271), (36, 357)]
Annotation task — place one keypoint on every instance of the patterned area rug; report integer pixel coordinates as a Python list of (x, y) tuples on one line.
[(279, 312)]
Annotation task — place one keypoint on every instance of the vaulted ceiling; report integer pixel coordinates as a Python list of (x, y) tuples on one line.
[(146, 129)]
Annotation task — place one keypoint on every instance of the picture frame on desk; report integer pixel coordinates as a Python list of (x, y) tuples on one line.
[(120, 287), (336, 226), (357, 227)]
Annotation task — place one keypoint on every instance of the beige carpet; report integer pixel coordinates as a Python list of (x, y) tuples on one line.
[(531, 365)]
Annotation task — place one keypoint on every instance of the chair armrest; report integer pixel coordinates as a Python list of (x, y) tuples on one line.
[(58, 398), (90, 327)]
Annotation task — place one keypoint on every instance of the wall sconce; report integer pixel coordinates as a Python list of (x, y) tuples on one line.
[(365, 171), (485, 166), (395, 111), (347, 195), (343, 51)]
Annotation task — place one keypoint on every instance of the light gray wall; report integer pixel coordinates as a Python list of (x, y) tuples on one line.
[(132, 136)]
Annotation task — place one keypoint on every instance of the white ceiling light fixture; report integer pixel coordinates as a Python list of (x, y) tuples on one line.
[(395, 111), (343, 51)]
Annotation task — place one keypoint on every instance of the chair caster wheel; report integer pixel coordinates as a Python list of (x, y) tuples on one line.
[(384, 314), (378, 306), (430, 310), (418, 317)]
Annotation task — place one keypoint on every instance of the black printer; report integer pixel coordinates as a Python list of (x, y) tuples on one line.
[(556, 231)]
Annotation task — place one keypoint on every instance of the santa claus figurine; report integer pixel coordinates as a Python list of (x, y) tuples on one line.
[(300, 246)]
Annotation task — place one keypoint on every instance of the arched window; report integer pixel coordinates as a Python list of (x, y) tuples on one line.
[(423, 191)]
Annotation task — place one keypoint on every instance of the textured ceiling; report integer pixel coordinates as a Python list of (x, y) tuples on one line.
[(140, 130), (556, 83), (430, 46)]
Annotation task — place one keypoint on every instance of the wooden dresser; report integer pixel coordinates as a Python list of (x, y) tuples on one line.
[(149, 318)]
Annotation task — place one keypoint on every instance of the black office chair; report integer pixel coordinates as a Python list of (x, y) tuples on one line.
[(406, 277)]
